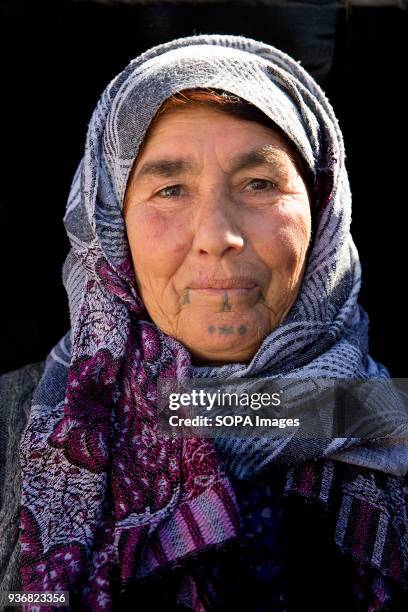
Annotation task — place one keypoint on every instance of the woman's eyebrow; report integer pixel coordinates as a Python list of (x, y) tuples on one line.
[(165, 167), (266, 155)]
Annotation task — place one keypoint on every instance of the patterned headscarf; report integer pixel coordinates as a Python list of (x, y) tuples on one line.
[(106, 496)]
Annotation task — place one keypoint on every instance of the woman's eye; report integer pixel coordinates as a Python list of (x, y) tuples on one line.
[(173, 191), (261, 185)]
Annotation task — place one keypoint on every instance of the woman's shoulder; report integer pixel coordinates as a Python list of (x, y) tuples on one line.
[(16, 391), (16, 384)]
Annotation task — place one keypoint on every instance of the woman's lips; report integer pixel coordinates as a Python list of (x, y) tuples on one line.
[(230, 293), (230, 297), (235, 291), (226, 284)]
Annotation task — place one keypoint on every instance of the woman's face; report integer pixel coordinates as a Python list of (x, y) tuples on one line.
[(218, 221)]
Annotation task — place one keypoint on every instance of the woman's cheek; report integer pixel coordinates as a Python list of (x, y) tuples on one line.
[(285, 238), (157, 240)]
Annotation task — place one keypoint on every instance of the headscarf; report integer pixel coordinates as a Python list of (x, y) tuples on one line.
[(105, 496)]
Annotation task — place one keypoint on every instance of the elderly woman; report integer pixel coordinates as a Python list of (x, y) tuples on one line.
[(209, 225)]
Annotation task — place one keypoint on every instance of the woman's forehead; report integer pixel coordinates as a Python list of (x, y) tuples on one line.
[(192, 123), (177, 136)]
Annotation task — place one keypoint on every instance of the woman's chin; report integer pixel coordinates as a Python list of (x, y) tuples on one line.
[(224, 337)]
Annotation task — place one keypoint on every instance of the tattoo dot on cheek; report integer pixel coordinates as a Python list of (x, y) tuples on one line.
[(186, 298), (261, 297), (242, 330)]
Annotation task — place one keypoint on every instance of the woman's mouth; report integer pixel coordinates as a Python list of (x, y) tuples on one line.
[(224, 284)]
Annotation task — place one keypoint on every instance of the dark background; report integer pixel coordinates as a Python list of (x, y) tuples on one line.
[(59, 56)]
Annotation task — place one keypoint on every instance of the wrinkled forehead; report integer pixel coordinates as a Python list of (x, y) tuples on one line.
[(250, 77)]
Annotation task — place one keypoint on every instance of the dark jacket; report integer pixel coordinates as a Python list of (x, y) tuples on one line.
[(16, 390)]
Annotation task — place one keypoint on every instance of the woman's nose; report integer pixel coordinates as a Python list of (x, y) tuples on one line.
[(216, 226)]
